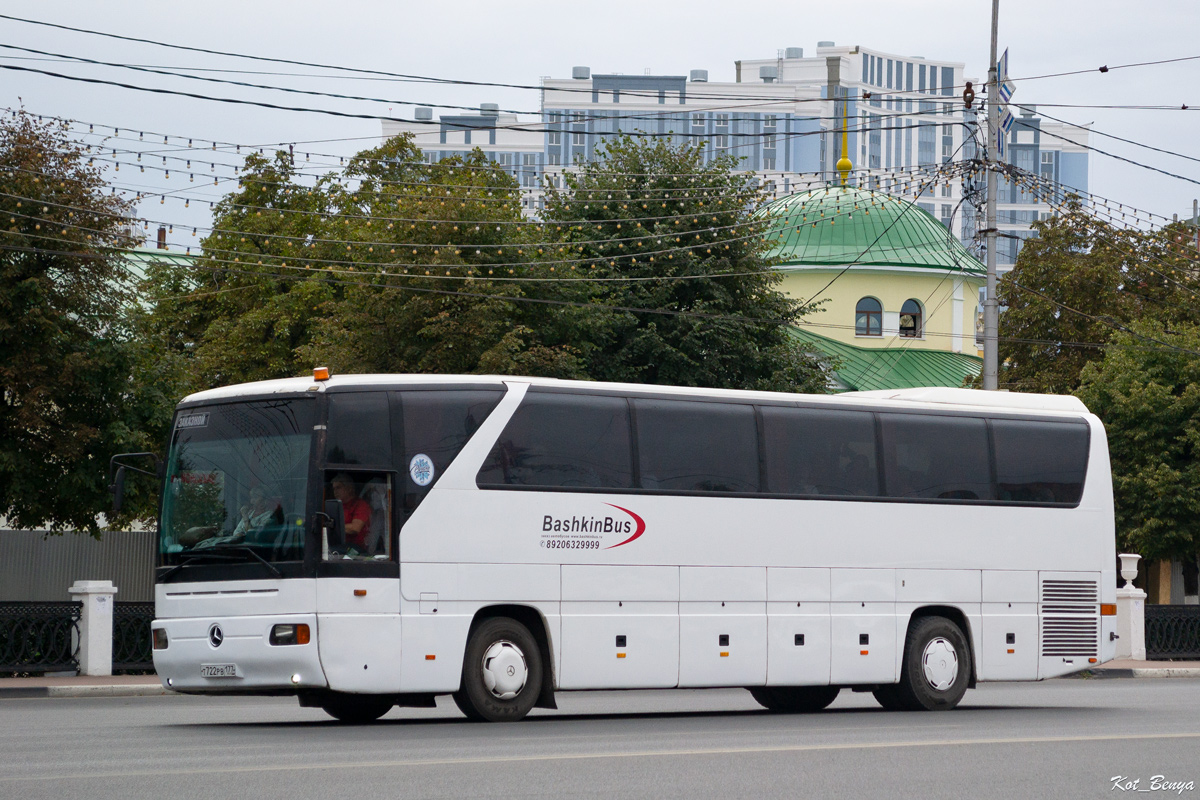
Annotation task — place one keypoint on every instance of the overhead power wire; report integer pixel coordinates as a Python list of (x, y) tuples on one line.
[(527, 126), (1109, 135), (1106, 68), (1110, 155), (381, 73), (1117, 326)]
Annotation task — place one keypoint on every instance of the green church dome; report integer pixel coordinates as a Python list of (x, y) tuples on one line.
[(841, 225)]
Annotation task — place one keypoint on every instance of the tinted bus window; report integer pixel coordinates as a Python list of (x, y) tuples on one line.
[(936, 457), (813, 451), (358, 431), (704, 447), (1040, 462), (436, 424), (565, 441)]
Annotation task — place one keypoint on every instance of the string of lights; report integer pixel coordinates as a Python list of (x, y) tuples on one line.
[(773, 228), (519, 299)]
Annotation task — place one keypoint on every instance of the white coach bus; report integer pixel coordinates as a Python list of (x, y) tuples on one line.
[(366, 541)]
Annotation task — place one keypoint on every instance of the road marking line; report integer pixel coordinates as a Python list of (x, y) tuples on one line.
[(715, 751)]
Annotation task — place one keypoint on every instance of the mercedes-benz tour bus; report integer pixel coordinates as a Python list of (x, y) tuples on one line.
[(367, 541)]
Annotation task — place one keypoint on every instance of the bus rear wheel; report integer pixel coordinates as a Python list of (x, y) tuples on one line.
[(502, 672), (936, 668), (356, 709), (794, 699)]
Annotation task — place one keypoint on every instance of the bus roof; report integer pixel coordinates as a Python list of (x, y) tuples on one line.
[(933, 396), (977, 397)]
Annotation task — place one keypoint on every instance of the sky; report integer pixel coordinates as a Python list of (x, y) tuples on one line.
[(520, 41)]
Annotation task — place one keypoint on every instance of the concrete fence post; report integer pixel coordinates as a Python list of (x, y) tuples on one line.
[(1131, 612), (95, 626)]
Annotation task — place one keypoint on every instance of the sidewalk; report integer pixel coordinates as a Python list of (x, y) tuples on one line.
[(1128, 668), (82, 686), (149, 685)]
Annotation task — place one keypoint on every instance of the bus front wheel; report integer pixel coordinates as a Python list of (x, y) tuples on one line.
[(502, 672), (936, 668), (356, 709), (794, 699)]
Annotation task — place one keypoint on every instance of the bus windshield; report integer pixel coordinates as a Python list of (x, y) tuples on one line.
[(237, 483)]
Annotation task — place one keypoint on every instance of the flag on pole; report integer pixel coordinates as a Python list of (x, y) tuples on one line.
[(1005, 91), (1007, 88)]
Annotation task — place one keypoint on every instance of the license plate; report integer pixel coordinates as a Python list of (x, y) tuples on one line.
[(219, 671)]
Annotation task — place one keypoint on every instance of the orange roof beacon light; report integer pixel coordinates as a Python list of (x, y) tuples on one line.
[(320, 373)]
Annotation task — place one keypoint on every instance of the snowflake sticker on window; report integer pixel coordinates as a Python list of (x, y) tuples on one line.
[(420, 469)]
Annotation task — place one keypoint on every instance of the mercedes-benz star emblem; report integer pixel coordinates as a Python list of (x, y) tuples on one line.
[(216, 635)]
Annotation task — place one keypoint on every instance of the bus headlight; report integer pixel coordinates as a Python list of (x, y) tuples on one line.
[(289, 634), (160, 639)]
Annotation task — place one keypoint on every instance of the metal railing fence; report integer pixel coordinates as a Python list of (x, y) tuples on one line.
[(39, 637), (1172, 632), (131, 637)]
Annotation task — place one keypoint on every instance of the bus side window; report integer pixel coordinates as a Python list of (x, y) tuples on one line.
[(368, 508), (1040, 462), (692, 446), (358, 431), (429, 429), (563, 441), (822, 452), (936, 457)]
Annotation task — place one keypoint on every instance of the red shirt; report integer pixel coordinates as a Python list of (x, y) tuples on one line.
[(358, 509)]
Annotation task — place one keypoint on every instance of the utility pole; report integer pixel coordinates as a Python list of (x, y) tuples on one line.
[(991, 307)]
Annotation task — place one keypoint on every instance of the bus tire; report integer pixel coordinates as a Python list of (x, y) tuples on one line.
[(794, 699), (357, 709), (502, 672), (889, 698), (936, 667)]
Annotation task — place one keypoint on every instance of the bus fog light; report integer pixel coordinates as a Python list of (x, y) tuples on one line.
[(296, 678), (289, 634), (160, 638)]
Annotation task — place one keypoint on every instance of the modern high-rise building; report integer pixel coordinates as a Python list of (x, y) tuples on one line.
[(782, 118)]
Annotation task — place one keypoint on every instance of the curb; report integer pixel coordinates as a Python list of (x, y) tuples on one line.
[(142, 690), (1143, 672)]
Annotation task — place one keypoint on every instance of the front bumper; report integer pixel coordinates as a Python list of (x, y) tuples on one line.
[(261, 668)]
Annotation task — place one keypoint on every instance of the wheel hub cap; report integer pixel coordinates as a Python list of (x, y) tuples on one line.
[(504, 670), (940, 662)]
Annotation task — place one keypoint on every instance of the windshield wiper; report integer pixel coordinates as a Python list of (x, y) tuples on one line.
[(247, 549), (223, 552), (190, 559)]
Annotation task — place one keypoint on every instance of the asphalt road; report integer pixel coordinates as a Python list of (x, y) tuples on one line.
[(1059, 739)]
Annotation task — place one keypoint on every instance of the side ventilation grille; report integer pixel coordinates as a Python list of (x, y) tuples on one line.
[(1070, 615)]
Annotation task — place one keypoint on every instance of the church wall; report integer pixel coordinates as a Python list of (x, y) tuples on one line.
[(949, 305)]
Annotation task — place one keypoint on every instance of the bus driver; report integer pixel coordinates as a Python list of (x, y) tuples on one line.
[(356, 512)]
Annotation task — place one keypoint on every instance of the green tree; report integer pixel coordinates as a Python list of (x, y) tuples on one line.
[(240, 313), (398, 265), (1079, 283), (681, 232), (432, 243), (71, 365), (1148, 396)]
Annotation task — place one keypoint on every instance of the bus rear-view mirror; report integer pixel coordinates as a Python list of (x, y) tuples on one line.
[(118, 490), (335, 523)]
